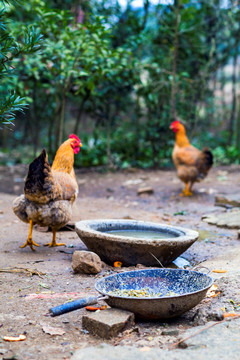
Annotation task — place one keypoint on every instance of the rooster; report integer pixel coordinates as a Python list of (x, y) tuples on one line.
[(192, 164), (49, 192)]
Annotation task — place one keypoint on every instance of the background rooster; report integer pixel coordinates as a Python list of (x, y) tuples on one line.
[(49, 192), (192, 164)]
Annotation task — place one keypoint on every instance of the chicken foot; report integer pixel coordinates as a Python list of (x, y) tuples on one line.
[(54, 243), (30, 241), (187, 191)]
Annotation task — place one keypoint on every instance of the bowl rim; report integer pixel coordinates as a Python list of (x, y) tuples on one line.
[(84, 228), (205, 288)]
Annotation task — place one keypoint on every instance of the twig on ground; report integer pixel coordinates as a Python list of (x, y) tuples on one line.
[(29, 272), (237, 316)]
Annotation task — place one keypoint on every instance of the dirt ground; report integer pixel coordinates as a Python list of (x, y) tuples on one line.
[(26, 297)]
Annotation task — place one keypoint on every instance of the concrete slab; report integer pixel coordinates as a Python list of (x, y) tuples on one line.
[(228, 219)]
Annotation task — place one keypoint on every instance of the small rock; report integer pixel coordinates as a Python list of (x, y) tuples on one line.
[(169, 332), (86, 262), (107, 323), (183, 345), (145, 190)]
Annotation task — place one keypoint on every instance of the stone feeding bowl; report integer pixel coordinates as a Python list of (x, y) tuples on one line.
[(135, 242)]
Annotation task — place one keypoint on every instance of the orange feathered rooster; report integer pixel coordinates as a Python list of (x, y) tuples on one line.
[(49, 192), (192, 164)]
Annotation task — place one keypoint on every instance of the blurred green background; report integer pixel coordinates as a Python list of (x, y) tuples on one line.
[(117, 73)]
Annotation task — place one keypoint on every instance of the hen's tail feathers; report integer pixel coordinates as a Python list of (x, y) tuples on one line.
[(208, 157), (39, 185), (204, 163)]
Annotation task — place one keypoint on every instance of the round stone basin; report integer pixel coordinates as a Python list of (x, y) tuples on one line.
[(135, 242)]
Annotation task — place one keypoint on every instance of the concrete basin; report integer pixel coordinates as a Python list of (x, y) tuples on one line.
[(98, 236)]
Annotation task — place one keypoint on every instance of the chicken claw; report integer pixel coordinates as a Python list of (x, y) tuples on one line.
[(30, 241), (54, 243), (186, 191)]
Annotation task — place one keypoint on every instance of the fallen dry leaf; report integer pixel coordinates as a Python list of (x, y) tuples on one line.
[(117, 264), (14, 338), (95, 308), (213, 291), (53, 330), (226, 315), (215, 295), (220, 271), (29, 272)]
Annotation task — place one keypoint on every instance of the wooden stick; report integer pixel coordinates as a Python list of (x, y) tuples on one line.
[(23, 270)]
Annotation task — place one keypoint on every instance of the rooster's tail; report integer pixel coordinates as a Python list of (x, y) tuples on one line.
[(39, 185)]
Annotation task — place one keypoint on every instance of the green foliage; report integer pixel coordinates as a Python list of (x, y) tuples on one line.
[(10, 50), (118, 76), (8, 108), (226, 155)]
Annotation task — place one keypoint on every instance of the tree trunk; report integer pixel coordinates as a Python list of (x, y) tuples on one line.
[(61, 122), (234, 95), (35, 120), (109, 162), (238, 124), (177, 4), (80, 112), (223, 95)]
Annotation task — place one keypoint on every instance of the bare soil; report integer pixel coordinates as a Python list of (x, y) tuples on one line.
[(46, 278)]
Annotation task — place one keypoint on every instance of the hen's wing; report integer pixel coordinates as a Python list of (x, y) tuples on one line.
[(40, 186), (68, 184), (186, 155)]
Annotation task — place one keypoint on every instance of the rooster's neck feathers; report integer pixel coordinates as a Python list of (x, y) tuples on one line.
[(181, 137), (64, 158)]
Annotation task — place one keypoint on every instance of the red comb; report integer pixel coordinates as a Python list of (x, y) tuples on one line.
[(73, 136), (175, 122)]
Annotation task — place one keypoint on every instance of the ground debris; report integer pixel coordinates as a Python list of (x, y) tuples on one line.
[(14, 338), (29, 272), (145, 190), (52, 330), (182, 341)]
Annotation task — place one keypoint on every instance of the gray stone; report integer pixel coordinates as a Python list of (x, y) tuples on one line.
[(107, 323), (228, 219), (230, 200), (86, 262)]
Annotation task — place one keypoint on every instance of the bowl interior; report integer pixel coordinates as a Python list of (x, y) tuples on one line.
[(164, 282), (136, 230)]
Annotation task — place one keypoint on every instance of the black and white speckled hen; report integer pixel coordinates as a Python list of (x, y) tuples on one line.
[(49, 192)]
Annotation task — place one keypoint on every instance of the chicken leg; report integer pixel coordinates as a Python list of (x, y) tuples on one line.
[(30, 241), (54, 243), (186, 191)]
